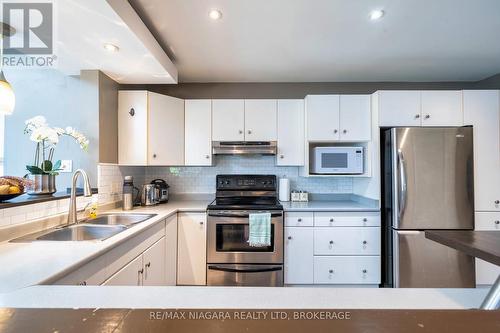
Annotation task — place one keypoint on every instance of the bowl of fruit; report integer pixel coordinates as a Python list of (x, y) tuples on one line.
[(11, 187)]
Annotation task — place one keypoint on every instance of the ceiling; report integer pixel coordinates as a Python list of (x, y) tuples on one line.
[(327, 40)]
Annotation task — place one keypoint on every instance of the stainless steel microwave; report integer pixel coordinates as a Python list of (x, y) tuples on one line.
[(338, 160)]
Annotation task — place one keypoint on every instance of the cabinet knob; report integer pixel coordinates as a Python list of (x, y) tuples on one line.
[(364, 271), (249, 131), (335, 131), (299, 220), (331, 271), (201, 222), (240, 132), (331, 242), (427, 116), (365, 219), (417, 116), (331, 220), (83, 283), (141, 271), (497, 202), (154, 155), (131, 112), (289, 237), (207, 156), (282, 156), (365, 242), (148, 265), (344, 131), (497, 222)]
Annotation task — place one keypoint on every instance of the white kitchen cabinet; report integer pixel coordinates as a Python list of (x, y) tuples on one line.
[(228, 120), (399, 108), (482, 111), (347, 270), (346, 219), (355, 118), (132, 127), (299, 219), (171, 250), (130, 275), (260, 119), (150, 129), (347, 241), (198, 132), (290, 132), (486, 273), (165, 130), (191, 252), (442, 108), (323, 116), (154, 265), (298, 255)]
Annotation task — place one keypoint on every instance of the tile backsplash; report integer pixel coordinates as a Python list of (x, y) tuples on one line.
[(202, 179), (110, 180)]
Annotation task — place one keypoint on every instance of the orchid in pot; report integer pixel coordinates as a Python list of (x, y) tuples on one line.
[(44, 170)]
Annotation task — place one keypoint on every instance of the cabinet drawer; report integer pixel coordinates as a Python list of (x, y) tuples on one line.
[(299, 219), (487, 221), (347, 241), (347, 219), (347, 270)]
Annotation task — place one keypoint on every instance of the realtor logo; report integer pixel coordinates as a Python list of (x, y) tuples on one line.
[(34, 27)]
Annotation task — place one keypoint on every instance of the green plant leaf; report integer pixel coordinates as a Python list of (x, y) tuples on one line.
[(34, 170), (57, 165), (47, 165)]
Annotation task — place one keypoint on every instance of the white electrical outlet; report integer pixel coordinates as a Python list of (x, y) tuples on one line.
[(66, 166)]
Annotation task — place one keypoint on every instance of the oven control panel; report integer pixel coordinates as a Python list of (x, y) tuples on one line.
[(247, 182)]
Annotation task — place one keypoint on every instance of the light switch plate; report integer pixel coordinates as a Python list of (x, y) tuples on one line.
[(66, 166)]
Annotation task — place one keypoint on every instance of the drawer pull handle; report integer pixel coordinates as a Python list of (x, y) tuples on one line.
[(331, 242), (365, 271), (335, 131), (365, 220), (417, 116), (331, 271), (497, 202), (289, 237), (365, 242), (497, 222), (427, 116), (331, 220), (299, 220)]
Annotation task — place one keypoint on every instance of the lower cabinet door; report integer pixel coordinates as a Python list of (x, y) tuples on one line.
[(347, 270), (347, 241), (487, 273), (154, 264), (298, 255), (130, 275), (192, 249)]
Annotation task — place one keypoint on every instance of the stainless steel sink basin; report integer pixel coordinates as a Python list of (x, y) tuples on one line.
[(82, 232), (119, 219)]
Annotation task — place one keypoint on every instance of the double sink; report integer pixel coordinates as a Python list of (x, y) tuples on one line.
[(100, 228)]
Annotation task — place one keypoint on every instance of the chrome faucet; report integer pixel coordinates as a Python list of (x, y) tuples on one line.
[(87, 191)]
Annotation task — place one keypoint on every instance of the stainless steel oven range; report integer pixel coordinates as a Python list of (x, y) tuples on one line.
[(230, 259)]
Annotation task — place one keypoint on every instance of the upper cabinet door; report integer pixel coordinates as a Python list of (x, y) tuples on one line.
[(228, 120), (482, 111), (355, 118), (132, 127), (154, 264), (323, 117), (399, 108), (166, 130), (442, 108), (260, 120), (290, 132), (198, 132)]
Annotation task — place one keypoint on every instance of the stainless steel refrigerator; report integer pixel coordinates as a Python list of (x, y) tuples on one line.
[(427, 184)]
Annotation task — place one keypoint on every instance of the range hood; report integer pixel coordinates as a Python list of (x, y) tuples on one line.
[(244, 147)]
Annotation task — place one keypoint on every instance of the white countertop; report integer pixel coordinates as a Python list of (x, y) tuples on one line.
[(28, 264), (241, 298), (328, 206)]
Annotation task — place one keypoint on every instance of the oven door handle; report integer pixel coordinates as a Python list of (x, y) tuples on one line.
[(240, 214), (235, 270)]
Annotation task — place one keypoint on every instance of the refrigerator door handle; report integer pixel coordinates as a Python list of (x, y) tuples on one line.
[(402, 183)]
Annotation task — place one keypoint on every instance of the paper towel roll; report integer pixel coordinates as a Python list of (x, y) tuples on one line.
[(284, 189)]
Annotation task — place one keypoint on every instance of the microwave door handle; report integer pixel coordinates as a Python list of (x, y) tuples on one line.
[(236, 270), (403, 190)]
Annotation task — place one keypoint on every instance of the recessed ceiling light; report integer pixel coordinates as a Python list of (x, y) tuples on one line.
[(215, 14), (111, 47), (376, 14)]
